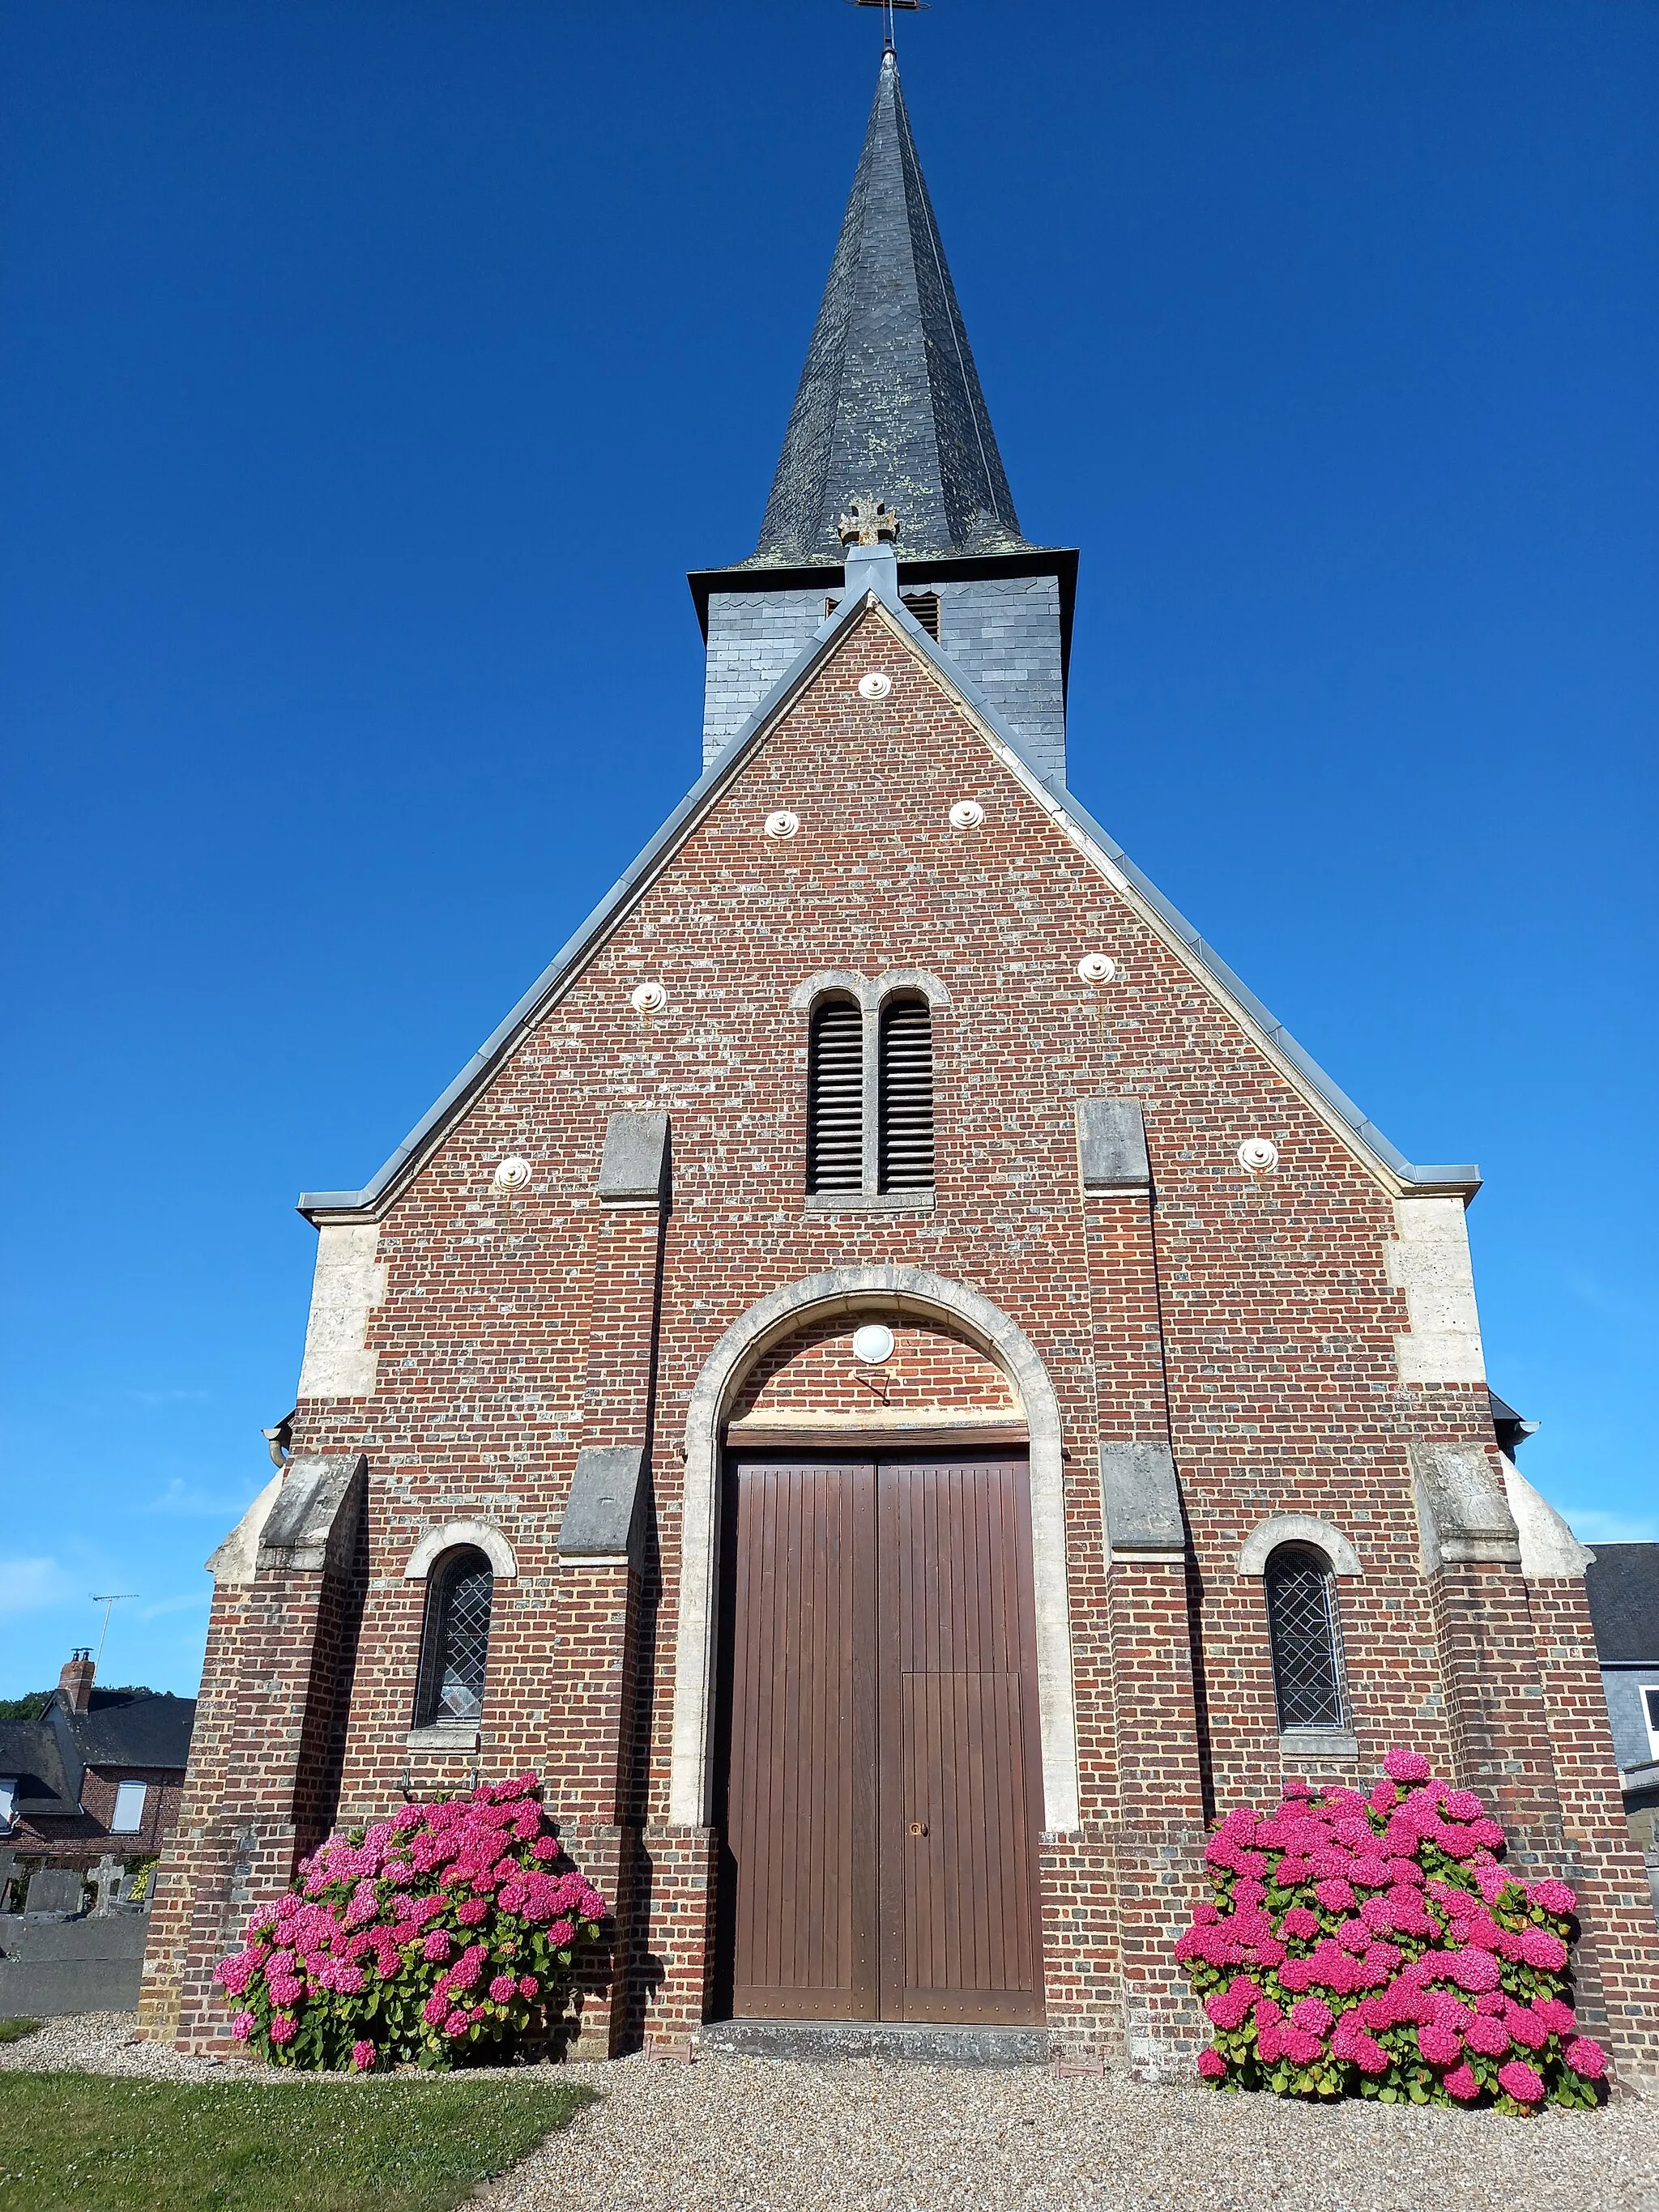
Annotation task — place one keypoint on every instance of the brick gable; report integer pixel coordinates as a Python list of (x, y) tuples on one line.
[(1250, 1326)]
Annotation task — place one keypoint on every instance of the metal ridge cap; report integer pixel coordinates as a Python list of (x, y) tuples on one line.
[(363, 1204)]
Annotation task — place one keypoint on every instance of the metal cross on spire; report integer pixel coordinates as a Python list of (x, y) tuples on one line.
[(887, 7)]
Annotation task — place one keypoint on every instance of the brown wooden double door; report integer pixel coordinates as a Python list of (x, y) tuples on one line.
[(879, 1742)]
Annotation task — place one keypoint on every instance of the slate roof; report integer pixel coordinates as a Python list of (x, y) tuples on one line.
[(1072, 818), (1622, 1585), (49, 1756), (889, 400), (119, 1731), (31, 1751)]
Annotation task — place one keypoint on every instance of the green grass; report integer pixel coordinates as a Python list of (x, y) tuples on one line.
[(90, 2143), (13, 2030)]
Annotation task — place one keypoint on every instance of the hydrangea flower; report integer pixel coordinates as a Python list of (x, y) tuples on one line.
[(1401, 1766), (1522, 2083), (1540, 1948), (1376, 1944), (1554, 1897), (425, 1900)]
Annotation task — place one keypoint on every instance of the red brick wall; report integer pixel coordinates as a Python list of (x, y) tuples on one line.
[(1256, 1324), (83, 1840), (933, 1371), (1602, 1859)]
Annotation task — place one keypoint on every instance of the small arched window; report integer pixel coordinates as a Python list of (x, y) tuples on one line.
[(1306, 1638), (835, 1097), (455, 1649), (907, 1095)]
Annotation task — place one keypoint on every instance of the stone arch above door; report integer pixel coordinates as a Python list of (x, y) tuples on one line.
[(864, 1292), (936, 1378)]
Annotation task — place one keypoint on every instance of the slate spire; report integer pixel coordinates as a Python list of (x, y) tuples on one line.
[(890, 401)]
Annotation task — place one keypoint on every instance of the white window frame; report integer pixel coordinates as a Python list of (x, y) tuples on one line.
[(1647, 1695), (8, 1803), (123, 1790)]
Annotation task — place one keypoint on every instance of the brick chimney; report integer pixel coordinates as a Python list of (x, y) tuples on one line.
[(75, 1683)]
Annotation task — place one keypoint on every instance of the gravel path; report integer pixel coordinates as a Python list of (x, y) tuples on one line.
[(755, 2134), (108, 2043), (751, 2135)]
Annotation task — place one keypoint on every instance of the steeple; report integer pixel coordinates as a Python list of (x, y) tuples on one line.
[(889, 451), (890, 402)]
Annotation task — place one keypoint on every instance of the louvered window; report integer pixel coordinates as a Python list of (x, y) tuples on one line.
[(835, 1102), (924, 606), (907, 1096), (459, 1594), (1305, 1637)]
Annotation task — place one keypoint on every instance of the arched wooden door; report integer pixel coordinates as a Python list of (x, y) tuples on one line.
[(879, 1752)]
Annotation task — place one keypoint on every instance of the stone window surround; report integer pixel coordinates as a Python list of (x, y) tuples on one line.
[(860, 1292), (1297, 1528), (454, 1536), (1343, 1560), (869, 993), (436, 1544)]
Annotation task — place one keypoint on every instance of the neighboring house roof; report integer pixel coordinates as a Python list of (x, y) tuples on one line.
[(121, 1728), (1622, 1585), (127, 1731), (31, 1750), (870, 583)]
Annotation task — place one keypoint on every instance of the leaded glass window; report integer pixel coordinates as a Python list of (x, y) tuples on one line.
[(1306, 1638), (459, 1591)]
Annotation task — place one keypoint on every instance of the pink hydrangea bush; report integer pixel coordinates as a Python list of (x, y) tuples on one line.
[(1376, 1944), (442, 1933)]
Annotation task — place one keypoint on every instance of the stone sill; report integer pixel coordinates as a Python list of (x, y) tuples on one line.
[(1317, 1743), (441, 1737), (869, 1201)]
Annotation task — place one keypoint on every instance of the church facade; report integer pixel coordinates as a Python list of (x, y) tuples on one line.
[(891, 1382)]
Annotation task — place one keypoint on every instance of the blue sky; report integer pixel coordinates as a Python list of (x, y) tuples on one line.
[(371, 375)]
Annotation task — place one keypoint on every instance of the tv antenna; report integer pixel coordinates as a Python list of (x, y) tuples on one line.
[(109, 1599), (888, 9)]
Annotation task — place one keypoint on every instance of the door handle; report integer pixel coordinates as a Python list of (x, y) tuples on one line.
[(918, 1827)]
